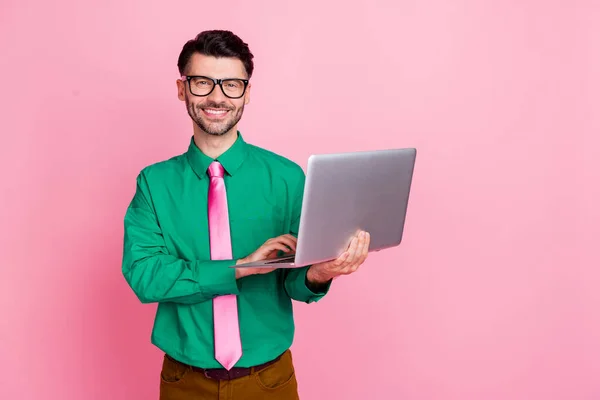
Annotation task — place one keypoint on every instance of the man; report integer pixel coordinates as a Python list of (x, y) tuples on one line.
[(226, 332)]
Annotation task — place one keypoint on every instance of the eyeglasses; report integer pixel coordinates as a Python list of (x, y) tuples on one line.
[(203, 86)]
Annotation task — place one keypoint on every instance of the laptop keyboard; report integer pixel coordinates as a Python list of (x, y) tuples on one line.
[(283, 260)]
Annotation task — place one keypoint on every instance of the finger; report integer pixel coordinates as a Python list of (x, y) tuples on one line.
[(367, 246), (361, 260), (352, 251), (360, 243), (341, 259), (270, 248), (363, 252), (352, 269), (283, 247), (287, 246), (357, 257), (294, 238), (288, 240), (363, 247), (288, 236)]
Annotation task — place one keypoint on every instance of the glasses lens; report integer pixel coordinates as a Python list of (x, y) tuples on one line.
[(201, 86), (233, 87)]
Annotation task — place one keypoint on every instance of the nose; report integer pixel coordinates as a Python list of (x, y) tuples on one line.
[(217, 95)]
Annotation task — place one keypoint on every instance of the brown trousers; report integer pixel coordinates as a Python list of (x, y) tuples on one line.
[(277, 381)]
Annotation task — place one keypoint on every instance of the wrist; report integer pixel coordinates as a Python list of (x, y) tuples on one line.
[(313, 275), (240, 272)]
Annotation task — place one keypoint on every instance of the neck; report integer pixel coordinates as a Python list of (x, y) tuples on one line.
[(213, 146)]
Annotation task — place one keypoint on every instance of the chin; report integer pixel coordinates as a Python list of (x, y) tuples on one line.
[(215, 130)]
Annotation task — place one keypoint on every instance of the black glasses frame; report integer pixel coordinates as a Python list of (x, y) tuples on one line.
[(216, 82)]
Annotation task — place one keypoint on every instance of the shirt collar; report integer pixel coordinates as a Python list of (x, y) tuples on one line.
[(231, 159)]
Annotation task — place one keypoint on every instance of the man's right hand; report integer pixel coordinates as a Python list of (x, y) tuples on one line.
[(269, 250)]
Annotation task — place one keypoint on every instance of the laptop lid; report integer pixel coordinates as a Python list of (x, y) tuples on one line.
[(347, 192)]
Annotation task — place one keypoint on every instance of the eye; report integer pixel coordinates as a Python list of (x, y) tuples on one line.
[(199, 82)]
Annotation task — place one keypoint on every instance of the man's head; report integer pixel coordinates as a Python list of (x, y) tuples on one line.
[(216, 106)]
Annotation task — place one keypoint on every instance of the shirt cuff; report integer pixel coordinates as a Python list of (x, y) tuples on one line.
[(217, 278)]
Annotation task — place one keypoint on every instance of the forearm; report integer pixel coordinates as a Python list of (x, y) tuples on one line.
[(317, 282), (300, 288), (164, 278)]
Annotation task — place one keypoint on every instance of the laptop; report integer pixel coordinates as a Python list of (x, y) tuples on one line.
[(347, 192)]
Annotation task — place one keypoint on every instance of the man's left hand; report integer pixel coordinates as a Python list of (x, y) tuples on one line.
[(347, 263)]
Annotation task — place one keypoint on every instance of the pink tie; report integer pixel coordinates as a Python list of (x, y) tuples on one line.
[(228, 347)]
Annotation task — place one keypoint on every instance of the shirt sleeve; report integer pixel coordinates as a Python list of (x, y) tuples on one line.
[(157, 276), (295, 282)]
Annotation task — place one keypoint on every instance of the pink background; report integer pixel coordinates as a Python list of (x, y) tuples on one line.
[(495, 292)]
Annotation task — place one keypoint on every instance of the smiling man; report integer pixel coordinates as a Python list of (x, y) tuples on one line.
[(225, 332)]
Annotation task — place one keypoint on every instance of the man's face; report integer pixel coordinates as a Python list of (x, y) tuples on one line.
[(215, 114)]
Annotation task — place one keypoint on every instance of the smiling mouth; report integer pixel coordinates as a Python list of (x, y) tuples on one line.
[(214, 112)]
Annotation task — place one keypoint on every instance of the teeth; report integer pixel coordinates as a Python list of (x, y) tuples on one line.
[(215, 112)]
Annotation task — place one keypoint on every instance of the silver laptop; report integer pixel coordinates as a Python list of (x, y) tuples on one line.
[(347, 192)]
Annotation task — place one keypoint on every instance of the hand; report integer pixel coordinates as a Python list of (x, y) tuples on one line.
[(285, 243), (347, 263)]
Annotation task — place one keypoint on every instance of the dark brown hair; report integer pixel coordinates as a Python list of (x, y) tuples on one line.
[(217, 43)]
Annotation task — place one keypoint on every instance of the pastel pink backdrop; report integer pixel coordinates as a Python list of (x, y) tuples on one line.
[(494, 293)]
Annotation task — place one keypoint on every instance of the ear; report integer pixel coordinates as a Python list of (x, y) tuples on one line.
[(247, 94), (180, 89)]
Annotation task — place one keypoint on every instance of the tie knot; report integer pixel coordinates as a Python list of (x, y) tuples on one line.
[(216, 170)]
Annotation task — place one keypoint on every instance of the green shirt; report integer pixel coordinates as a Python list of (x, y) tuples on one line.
[(166, 257)]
